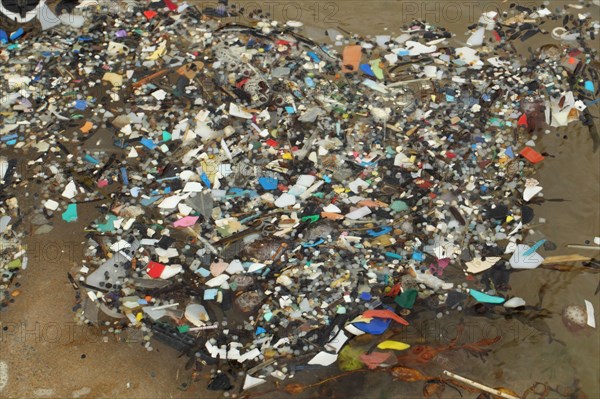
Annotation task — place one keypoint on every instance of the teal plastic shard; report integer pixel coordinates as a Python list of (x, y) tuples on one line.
[(399, 206), (70, 215), (485, 298), (109, 226)]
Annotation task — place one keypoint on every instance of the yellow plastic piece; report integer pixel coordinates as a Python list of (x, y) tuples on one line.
[(394, 345)]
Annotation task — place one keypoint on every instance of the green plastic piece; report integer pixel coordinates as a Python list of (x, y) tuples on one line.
[(349, 358), (407, 299), (311, 218), (183, 329)]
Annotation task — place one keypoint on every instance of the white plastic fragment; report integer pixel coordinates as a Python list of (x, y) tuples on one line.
[(251, 382), (514, 302), (323, 359), (589, 308), (521, 261), (478, 265)]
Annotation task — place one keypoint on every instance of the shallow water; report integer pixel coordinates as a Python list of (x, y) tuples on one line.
[(522, 357)]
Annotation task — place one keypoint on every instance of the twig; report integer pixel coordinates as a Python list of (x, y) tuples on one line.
[(479, 386)]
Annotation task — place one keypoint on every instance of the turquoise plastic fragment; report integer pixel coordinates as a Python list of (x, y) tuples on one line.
[(485, 298), (108, 226), (393, 255), (70, 215), (534, 248)]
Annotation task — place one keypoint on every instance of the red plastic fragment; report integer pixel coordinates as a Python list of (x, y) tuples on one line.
[(150, 14), (155, 269), (385, 314), (531, 155), (523, 121), (170, 5)]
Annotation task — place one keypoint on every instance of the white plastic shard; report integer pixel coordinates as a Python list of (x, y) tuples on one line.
[(172, 201), (70, 190), (332, 208), (476, 38), (519, 259), (531, 192), (359, 213), (416, 48), (251, 382), (478, 265), (217, 281), (335, 345), (285, 200), (469, 56), (193, 187), (234, 110), (514, 302), (249, 355), (589, 308), (51, 205), (196, 314), (235, 267), (323, 359)]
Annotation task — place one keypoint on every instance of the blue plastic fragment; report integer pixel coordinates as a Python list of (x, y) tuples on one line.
[(375, 327), (309, 82), (17, 34), (210, 294), (366, 68), (290, 110), (205, 179), (313, 244), (167, 190), (9, 137), (124, 176), (260, 330), (485, 298), (203, 272), (380, 232), (534, 247), (589, 85), (81, 105), (91, 159), (150, 200), (3, 37), (146, 142), (314, 56), (365, 296), (509, 152), (268, 183), (418, 256)]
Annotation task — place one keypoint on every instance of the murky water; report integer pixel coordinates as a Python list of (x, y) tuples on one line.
[(523, 356)]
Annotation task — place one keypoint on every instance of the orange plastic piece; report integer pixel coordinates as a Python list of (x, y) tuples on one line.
[(86, 127), (531, 155), (351, 58)]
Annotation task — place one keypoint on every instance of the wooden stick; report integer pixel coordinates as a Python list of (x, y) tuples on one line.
[(479, 386), (566, 258)]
